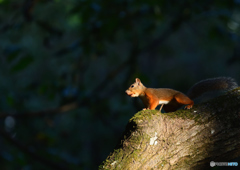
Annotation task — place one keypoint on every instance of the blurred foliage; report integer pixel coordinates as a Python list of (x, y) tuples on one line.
[(57, 52)]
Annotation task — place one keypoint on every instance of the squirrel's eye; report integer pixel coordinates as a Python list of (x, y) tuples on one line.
[(132, 86)]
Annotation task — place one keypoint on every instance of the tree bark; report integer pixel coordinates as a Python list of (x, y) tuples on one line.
[(185, 139)]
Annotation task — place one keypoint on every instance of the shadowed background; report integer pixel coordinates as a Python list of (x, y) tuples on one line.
[(66, 64)]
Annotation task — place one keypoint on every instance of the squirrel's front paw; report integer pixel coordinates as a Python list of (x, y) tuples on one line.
[(188, 107)]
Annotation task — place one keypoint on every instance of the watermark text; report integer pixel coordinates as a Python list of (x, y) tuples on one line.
[(212, 164)]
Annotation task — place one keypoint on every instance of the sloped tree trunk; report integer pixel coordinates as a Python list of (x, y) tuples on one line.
[(185, 139)]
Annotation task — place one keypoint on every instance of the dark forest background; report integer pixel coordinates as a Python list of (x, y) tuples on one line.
[(64, 67)]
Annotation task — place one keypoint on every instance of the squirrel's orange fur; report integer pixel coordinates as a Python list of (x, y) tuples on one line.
[(170, 99)]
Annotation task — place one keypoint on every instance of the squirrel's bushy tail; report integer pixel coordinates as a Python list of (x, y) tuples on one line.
[(219, 83)]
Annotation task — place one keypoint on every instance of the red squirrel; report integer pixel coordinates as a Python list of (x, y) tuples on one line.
[(171, 100)]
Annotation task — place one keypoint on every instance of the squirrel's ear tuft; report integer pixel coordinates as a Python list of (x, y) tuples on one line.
[(138, 80)]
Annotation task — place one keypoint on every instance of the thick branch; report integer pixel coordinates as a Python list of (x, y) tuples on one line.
[(185, 139)]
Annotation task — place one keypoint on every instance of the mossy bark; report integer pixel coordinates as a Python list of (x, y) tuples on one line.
[(185, 139)]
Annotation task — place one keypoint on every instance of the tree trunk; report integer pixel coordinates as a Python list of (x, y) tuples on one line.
[(185, 139)]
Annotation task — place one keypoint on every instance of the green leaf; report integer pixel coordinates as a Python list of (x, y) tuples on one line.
[(22, 64)]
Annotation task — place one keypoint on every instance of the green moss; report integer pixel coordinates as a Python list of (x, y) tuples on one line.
[(130, 150), (112, 162), (144, 115), (185, 114), (118, 154)]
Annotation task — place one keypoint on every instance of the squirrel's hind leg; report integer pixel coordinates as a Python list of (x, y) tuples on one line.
[(183, 99)]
